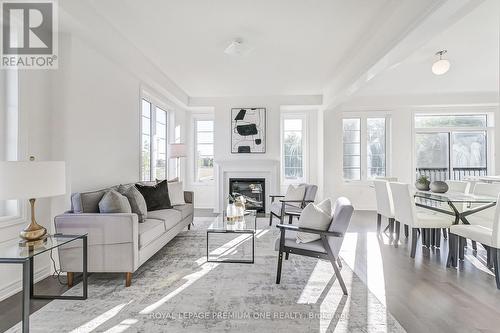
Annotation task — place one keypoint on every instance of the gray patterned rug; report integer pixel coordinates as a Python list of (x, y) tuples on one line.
[(178, 291)]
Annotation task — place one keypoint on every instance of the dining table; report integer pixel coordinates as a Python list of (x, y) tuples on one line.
[(461, 206)]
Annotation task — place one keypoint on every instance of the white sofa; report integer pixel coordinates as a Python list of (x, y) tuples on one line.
[(117, 242)]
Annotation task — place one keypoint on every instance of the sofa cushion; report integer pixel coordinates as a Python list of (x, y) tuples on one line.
[(313, 217), (136, 200), (170, 217), (186, 210), (114, 202), (86, 202), (156, 196), (149, 230), (176, 193), (295, 192)]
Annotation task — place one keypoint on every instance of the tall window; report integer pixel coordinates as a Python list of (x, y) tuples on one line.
[(154, 141), (451, 146), (204, 154), (293, 147), (364, 147), (9, 134)]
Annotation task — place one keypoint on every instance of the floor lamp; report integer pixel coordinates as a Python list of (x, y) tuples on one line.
[(177, 150)]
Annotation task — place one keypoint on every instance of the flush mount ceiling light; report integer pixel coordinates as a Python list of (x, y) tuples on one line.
[(441, 66), (237, 48)]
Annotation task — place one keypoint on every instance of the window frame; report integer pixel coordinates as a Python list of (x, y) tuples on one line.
[(155, 104), (195, 119), (489, 130), (363, 142), (303, 116)]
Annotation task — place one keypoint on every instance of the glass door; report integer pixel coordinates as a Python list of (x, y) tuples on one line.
[(433, 155)]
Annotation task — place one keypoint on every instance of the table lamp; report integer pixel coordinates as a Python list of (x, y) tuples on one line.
[(32, 180), (177, 150)]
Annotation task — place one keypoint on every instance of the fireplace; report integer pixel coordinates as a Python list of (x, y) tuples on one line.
[(252, 189)]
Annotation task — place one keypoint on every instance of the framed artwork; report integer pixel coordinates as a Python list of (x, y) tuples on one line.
[(248, 130)]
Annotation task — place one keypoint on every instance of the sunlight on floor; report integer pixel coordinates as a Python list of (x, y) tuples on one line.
[(123, 326), (317, 283), (98, 321), (478, 264)]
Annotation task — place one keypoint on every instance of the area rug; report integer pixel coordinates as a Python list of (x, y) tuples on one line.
[(178, 291)]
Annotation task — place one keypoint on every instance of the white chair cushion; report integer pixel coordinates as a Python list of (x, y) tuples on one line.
[(291, 241), (313, 217), (295, 193), (326, 206), (477, 233), (433, 220), (484, 221)]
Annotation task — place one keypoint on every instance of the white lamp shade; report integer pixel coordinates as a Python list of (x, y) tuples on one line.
[(27, 180), (441, 66), (177, 150)]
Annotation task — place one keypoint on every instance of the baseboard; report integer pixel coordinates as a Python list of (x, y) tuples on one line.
[(15, 286)]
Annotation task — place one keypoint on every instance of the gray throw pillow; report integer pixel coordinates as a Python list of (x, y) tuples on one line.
[(114, 202), (136, 200)]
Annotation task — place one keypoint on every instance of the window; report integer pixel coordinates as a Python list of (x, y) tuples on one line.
[(153, 141), (204, 154), (364, 147), (293, 150), (451, 146), (9, 138)]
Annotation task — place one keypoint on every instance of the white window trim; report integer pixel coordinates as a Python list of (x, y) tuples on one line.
[(461, 110), (363, 116), (195, 118), (305, 145), (155, 102)]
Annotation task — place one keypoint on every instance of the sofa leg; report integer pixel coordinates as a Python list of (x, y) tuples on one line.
[(128, 279), (71, 277), (189, 226)]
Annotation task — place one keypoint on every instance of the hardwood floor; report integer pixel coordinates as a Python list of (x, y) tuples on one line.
[(422, 294)]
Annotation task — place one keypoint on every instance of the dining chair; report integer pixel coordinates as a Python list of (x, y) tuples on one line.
[(459, 186), (328, 247), (405, 211), (385, 205), (486, 235), (482, 218)]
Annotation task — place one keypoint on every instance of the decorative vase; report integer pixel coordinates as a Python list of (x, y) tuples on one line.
[(231, 212), (439, 187), (422, 186)]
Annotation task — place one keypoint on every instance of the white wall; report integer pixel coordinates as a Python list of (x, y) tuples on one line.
[(205, 194)]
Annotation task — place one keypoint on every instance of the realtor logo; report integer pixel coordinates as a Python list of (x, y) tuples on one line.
[(29, 37)]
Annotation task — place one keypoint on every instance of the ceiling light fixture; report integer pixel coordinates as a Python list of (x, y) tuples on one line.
[(237, 48), (441, 66)]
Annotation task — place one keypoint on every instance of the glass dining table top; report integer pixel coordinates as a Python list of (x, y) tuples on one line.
[(455, 197), (11, 250)]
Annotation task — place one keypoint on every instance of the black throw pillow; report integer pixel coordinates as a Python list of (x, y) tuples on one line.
[(156, 196)]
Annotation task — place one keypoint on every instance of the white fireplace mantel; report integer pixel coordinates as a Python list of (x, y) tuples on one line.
[(245, 168)]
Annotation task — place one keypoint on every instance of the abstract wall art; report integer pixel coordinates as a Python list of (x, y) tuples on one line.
[(248, 130)]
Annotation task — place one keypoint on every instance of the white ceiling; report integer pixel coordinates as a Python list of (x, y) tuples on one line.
[(297, 44), (473, 50)]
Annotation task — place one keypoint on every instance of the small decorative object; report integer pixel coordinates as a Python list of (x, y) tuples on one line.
[(240, 205), (231, 210), (422, 183), (248, 130), (439, 186)]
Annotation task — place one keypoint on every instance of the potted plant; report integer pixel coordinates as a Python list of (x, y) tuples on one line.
[(422, 183)]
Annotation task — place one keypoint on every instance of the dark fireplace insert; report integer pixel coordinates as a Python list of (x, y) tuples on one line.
[(252, 189)]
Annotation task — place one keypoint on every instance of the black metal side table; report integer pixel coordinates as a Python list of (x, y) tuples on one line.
[(12, 253)]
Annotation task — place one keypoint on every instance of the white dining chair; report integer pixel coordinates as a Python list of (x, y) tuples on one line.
[(458, 186), (486, 235), (405, 211), (385, 206)]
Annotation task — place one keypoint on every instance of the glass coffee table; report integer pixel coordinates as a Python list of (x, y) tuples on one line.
[(245, 226)]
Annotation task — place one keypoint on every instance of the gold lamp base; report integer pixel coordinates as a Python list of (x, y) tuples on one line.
[(33, 234)]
